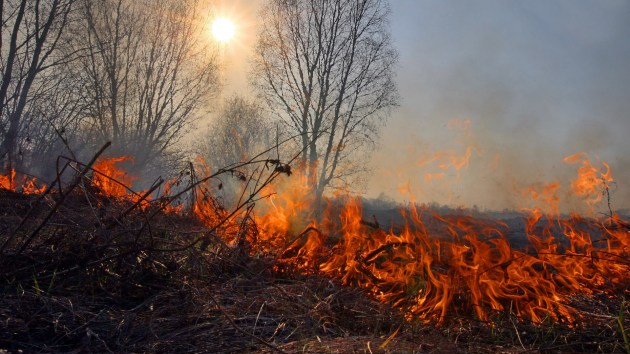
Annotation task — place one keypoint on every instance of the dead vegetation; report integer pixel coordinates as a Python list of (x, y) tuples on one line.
[(82, 271)]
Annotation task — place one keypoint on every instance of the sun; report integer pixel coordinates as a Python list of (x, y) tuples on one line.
[(223, 29)]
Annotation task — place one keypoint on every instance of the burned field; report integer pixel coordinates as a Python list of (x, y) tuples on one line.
[(87, 265)]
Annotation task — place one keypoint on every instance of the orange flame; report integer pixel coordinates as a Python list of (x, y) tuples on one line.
[(112, 180), (458, 264), (285, 219), (6, 182), (433, 265), (547, 194), (590, 181), (437, 265), (477, 266), (23, 184)]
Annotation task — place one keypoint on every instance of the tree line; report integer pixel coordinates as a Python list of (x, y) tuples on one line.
[(143, 73)]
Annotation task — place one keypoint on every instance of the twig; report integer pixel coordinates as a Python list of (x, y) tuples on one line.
[(621, 326), (607, 192), (373, 256), (302, 234), (258, 316), (23, 221), (58, 203), (86, 265), (236, 327), (60, 134), (138, 202), (373, 224), (39, 198), (518, 335)]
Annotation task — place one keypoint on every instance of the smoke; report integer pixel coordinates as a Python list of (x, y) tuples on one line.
[(534, 81)]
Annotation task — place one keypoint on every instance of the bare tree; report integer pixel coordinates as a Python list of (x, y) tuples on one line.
[(240, 131), (148, 73), (30, 36), (53, 120), (326, 67)]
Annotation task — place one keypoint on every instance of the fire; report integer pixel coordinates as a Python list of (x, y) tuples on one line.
[(434, 265), (286, 222), (424, 273), (547, 195), (6, 182), (112, 180), (168, 191), (446, 160), (440, 265), (590, 181), (22, 184)]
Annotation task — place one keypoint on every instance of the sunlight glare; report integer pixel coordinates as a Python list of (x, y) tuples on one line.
[(223, 29)]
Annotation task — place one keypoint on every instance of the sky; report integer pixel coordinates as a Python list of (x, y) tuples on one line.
[(494, 95)]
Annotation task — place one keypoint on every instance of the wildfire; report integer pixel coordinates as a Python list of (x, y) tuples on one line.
[(22, 184), (6, 182), (433, 265), (590, 181), (112, 180), (458, 264)]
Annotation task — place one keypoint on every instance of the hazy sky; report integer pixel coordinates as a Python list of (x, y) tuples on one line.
[(516, 85)]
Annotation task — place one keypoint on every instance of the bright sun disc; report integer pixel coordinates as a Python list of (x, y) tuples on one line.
[(223, 29)]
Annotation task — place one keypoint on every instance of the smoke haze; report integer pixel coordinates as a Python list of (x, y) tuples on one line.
[(517, 86)]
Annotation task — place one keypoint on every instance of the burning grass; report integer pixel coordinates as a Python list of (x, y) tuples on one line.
[(89, 265), (139, 285)]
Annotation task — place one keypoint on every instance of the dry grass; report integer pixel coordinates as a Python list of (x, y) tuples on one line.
[(103, 276)]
